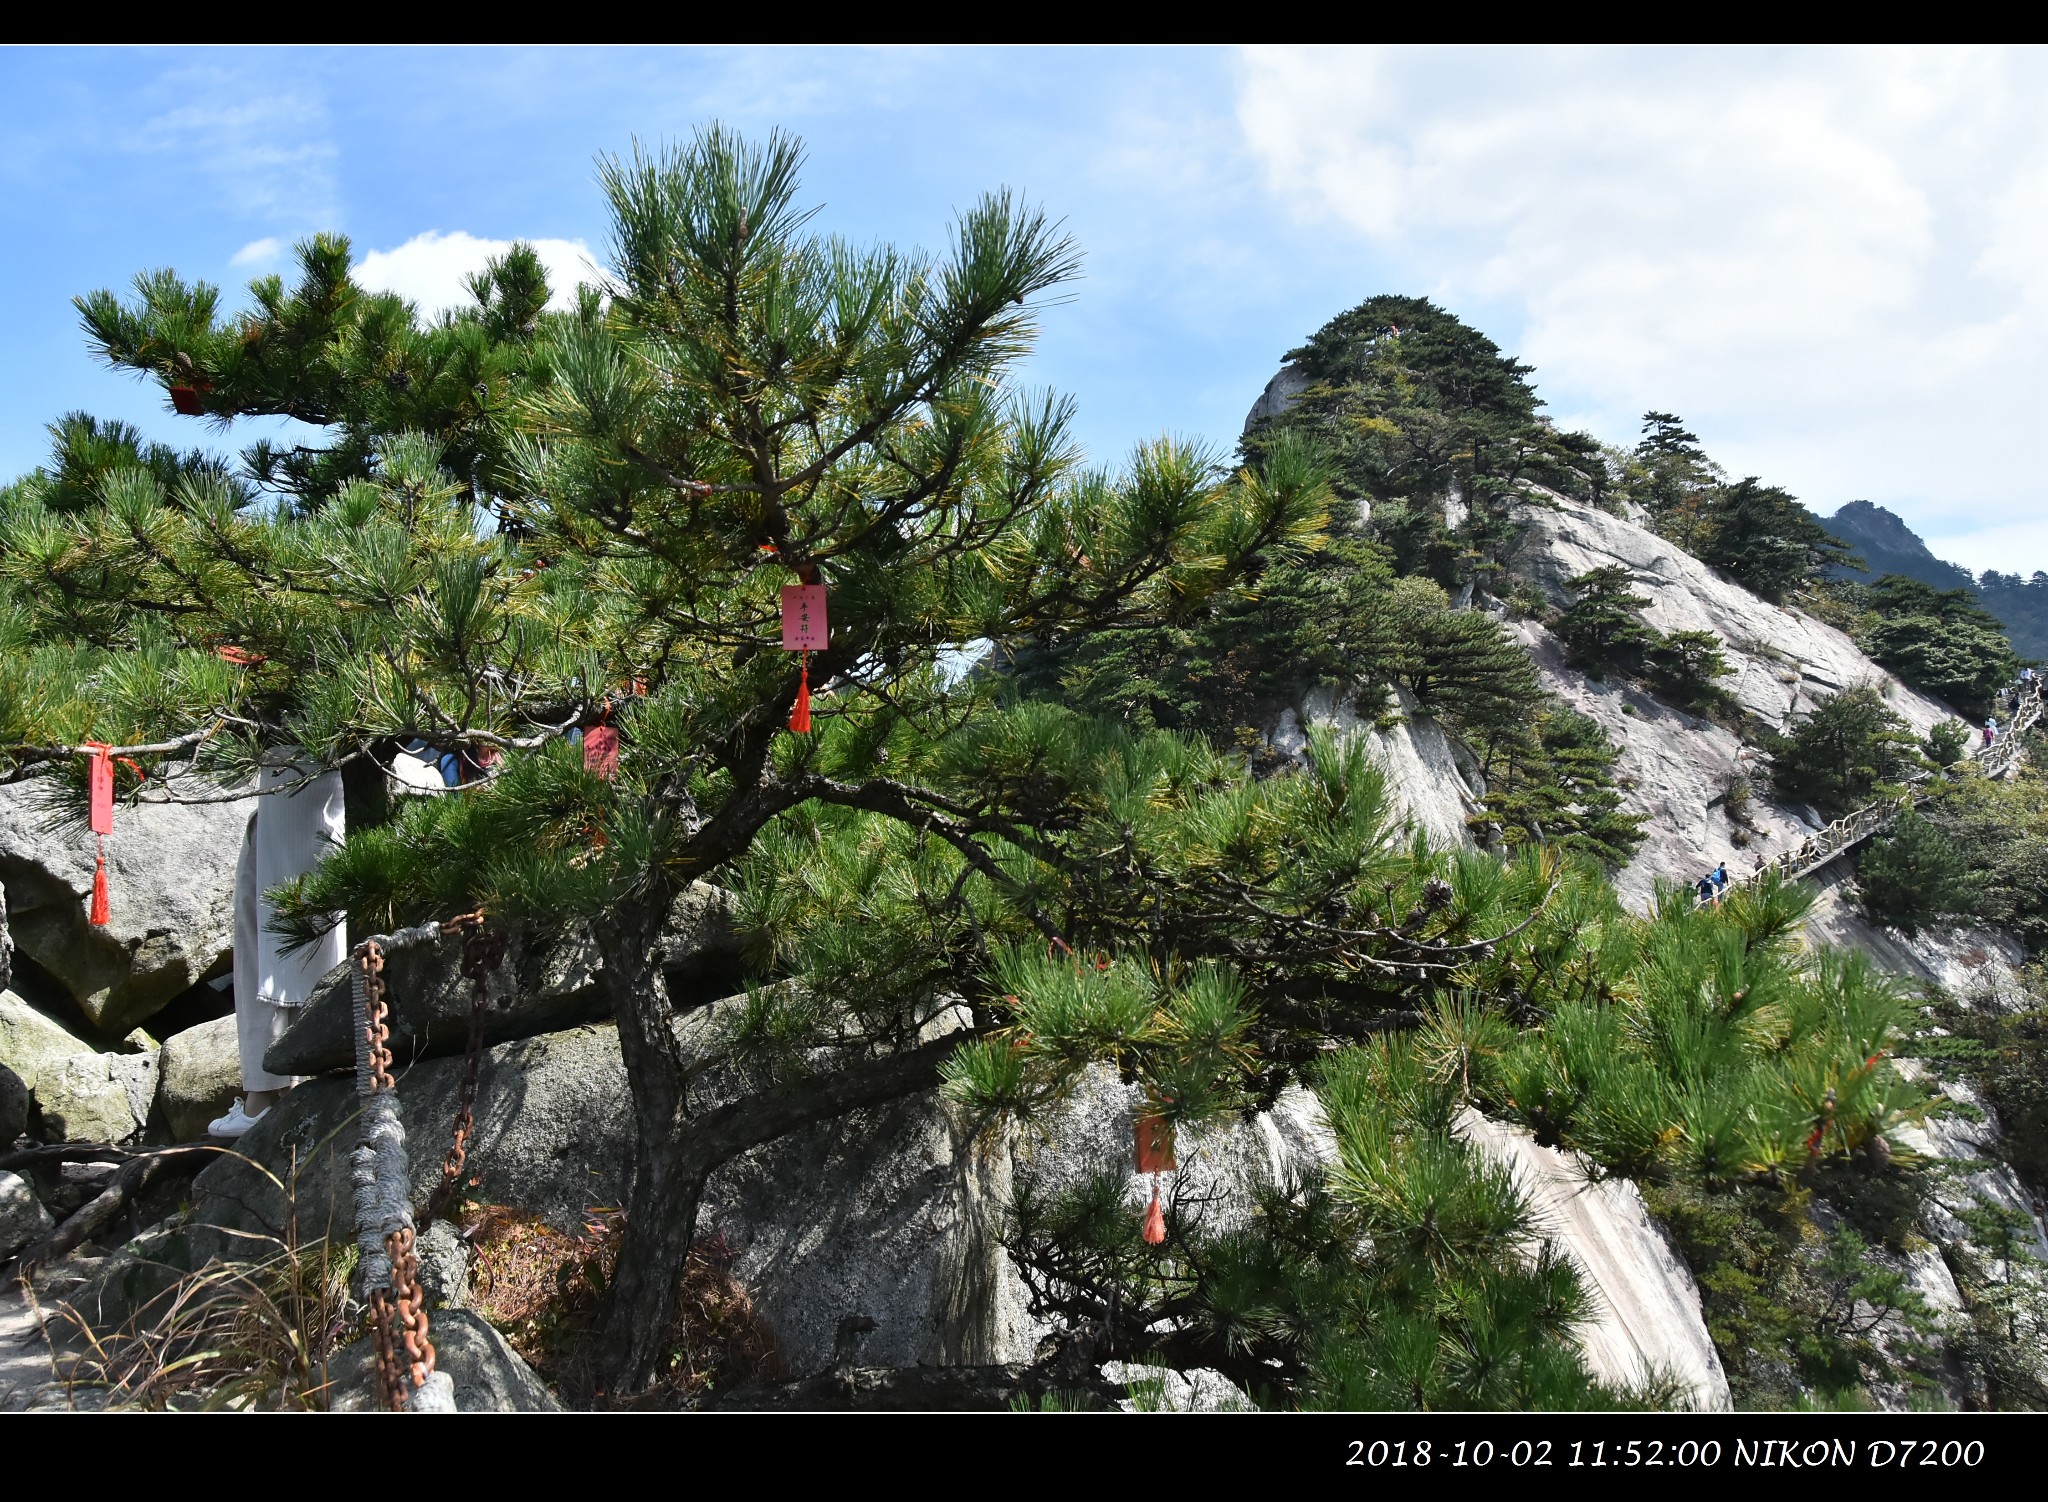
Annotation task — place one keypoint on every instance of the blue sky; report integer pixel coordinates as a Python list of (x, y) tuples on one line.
[(1833, 264)]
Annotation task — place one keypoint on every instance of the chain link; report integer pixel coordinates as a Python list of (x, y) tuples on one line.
[(482, 951), (404, 1303)]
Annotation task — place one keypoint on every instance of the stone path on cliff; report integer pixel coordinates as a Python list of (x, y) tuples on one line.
[(1852, 829)]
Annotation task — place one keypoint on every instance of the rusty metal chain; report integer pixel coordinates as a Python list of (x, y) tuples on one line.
[(404, 1302), (389, 1394), (374, 1012), (411, 1301), (482, 951)]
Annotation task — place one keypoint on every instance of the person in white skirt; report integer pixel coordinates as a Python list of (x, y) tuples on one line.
[(290, 832)]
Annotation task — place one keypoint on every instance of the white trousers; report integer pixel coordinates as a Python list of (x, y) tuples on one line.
[(287, 836)]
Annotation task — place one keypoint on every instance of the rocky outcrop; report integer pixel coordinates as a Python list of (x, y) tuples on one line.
[(1785, 661), (171, 872), (1433, 779), (22, 1216), (880, 1222), (488, 1375), (200, 1077), (1282, 392), (1688, 776), (547, 982), (1647, 1324), (554, 1136)]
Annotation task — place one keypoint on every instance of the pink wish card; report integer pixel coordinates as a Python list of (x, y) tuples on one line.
[(803, 618)]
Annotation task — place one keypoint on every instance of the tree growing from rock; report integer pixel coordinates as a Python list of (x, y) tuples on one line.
[(598, 528), (519, 523), (1838, 754), (1603, 626), (1762, 538)]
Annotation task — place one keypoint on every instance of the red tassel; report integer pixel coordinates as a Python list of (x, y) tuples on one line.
[(601, 751), (98, 913), (1155, 1218), (800, 717)]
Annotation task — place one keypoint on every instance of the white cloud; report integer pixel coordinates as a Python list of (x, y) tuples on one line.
[(430, 268), (1833, 263), (264, 146), (257, 252)]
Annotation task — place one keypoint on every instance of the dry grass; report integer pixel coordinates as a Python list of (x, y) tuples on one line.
[(543, 1289), (252, 1332)]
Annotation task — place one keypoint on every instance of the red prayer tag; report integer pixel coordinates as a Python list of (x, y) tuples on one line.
[(601, 750), (1155, 1145), (100, 786), (803, 618)]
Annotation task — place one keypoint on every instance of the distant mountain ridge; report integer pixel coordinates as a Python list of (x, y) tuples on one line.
[(1889, 546)]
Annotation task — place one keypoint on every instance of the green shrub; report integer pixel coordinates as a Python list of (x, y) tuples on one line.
[(1914, 875), (1947, 742), (1836, 756)]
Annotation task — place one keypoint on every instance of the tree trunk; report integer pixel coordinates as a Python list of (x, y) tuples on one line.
[(661, 1212), (677, 1153)]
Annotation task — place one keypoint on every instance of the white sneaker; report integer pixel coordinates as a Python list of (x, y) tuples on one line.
[(236, 1122)]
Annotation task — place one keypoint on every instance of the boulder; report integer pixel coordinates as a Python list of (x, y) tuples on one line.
[(1647, 1316), (13, 1106), (554, 1136), (171, 872), (488, 1374), (1160, 1389), (880, 1222), (22, 1216), (30, 1043), (201, 1076), (546, 983), (96, 1097)]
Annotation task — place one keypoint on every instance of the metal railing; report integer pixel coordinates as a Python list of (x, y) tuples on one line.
[(1853, 829)]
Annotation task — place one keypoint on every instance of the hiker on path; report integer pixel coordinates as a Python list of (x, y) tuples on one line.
[(1990, 731), (1720, 880)]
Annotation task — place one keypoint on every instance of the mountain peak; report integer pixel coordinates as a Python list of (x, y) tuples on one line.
[(1862, 522)]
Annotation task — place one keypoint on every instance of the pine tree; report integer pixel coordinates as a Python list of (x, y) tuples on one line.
[(1914, 875), (1602, 626), (1837, 754), (516, 523), (605, 530), (1671, 478), (1762, 538), (1938, 640)]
